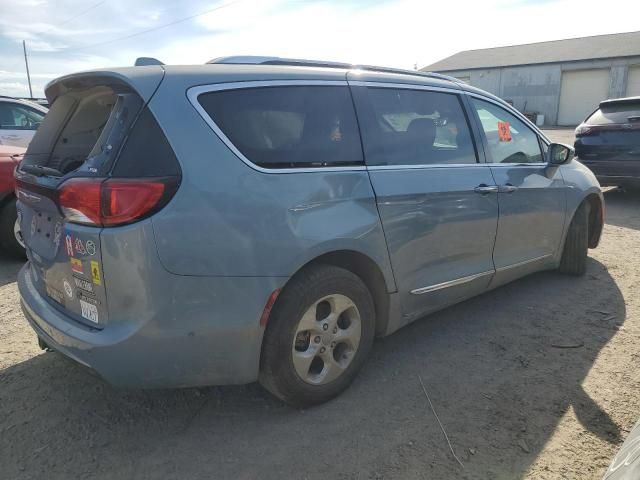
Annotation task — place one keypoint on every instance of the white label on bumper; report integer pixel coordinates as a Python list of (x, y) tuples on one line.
[(89, 311)]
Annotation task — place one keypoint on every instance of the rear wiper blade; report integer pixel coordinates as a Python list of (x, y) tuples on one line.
[(40, 171)]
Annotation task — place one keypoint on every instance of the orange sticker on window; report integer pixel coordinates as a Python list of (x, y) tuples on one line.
[(504, 132)]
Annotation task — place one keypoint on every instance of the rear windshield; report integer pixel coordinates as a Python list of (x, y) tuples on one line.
[(83, 128), (288, 127), (615, 114)]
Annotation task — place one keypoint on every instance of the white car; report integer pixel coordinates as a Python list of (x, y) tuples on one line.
[(19, 120)]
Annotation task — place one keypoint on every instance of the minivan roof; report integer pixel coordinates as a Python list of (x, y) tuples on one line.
[(238, 69)]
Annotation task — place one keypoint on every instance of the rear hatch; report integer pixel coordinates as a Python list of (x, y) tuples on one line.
[(87, 169), (609, 140)]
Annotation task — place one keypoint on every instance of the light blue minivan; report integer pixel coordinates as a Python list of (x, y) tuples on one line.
[(261, 218)]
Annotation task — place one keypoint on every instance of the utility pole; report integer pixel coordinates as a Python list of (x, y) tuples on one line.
[(26, 63)]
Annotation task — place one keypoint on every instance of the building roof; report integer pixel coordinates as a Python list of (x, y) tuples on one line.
[(584, 48)]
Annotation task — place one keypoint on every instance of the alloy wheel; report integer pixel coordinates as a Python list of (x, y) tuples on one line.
[(326, 339)]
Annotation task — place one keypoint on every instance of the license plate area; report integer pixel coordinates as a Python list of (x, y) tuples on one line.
[(73, 280)]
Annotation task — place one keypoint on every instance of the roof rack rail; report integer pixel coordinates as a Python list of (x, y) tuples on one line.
[(259, 60)]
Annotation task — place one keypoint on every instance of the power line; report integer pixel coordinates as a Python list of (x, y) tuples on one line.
[(126, 37), (81, 13)]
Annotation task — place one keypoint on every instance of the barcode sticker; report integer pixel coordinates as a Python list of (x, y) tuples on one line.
[(89, 311)]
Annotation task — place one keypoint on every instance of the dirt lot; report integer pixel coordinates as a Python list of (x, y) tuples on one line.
[(513, 403)]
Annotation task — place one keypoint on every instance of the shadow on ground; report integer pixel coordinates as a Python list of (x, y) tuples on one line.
[(9, 268), (501, 370)]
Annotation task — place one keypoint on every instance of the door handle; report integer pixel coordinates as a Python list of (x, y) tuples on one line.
[(485, 189), (508, 188)]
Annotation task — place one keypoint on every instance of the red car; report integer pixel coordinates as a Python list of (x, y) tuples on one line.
[(10, 236)]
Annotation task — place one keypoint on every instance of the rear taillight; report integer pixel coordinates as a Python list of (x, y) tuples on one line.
[(79, 200), (113, 201), (125, 201)]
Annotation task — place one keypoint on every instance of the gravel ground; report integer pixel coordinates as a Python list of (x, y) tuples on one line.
[(514, 404)]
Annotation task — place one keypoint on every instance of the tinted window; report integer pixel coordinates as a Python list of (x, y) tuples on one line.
[(18, 117), (147, 152), (282, 127), (415, 127), (509, 139), (615, 114)]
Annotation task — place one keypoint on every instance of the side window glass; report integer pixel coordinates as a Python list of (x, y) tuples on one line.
[(288, 127), (509, 139), (15, 117), (415, 127), (7, 120), (27, 118)]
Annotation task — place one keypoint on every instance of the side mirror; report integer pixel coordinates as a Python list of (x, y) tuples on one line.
[(559, 154)]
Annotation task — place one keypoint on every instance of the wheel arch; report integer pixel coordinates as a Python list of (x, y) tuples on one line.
[(367, 270), (596, 218), (595, 200)]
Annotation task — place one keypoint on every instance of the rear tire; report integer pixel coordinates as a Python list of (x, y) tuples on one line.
[(574, 255), (8, 240), (318, 336)]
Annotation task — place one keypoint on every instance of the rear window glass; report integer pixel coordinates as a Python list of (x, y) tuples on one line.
[(83, 129), (615, 114), (146, 152), (415, 127), (288, 127)]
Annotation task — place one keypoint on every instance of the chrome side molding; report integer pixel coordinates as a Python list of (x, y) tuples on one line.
[(525, 262), (451, 283)]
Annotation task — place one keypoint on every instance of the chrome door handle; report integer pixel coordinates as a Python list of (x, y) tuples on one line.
[(484, 189), (508, 188)]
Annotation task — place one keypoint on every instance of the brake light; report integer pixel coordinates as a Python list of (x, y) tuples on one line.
[(129, 200), (113, 201), (79, 200)]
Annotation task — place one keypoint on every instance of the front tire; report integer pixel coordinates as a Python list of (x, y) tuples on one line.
[(10, 236), (574, 255), (318, 337)]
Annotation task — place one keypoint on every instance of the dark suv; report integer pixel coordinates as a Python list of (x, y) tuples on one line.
[(608, 142)]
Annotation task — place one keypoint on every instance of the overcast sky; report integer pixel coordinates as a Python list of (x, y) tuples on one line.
[(65, 36)]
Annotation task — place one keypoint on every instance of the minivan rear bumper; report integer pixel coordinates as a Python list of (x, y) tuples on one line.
[(216, 349)]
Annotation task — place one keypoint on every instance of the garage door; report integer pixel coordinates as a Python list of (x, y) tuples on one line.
[(633, 82), (580, 93)]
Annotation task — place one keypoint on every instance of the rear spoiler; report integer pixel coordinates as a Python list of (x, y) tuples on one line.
[(144, 81), (620, 101)]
